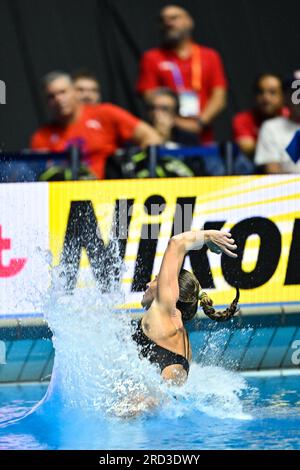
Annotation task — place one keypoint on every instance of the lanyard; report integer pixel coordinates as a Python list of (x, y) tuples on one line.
[(196, 67), (177, 77)]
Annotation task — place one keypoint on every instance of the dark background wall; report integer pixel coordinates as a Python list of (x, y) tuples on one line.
[(108, 36)]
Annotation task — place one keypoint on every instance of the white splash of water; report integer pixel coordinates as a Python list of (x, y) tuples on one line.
[(97, 366), (96, 362), (215, 392)]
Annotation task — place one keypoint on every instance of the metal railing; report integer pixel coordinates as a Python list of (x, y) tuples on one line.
[(73, 156), (226, 152)]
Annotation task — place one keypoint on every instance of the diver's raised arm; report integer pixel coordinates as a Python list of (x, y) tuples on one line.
[(215, 240), (167, 281)]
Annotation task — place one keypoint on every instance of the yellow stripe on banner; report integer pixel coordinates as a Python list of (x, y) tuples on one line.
[(127, 280), (241, 190), (227, 187), (286, 217), (250, 204)]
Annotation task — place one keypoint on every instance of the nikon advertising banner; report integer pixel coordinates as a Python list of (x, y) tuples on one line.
[(262, 213), (87, 226)]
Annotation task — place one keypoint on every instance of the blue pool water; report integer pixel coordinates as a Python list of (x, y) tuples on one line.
[(271, 420)]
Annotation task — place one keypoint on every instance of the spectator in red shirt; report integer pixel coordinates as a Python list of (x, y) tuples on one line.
[(97, 129), (195, 72), (269, 103)]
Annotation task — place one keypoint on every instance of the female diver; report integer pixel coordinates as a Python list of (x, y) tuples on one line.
[(171, 300)]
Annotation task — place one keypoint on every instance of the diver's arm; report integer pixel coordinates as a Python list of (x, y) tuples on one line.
[(167, 280), (178, 246), (215, 240)]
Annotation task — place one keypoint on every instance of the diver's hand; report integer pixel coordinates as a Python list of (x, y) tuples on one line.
[(220, 242)]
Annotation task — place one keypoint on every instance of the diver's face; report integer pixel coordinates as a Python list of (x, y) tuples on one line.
[(149, 294)]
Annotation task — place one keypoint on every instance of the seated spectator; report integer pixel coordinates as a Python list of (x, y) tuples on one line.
[(97, 129), (268, 104), (163, 108), (276, 134), (87, 87), (162, 111), (194, 71)]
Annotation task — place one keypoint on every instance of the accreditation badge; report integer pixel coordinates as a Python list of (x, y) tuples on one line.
[(189, 104)]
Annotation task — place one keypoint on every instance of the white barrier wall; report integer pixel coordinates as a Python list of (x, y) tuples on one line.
[(24, 235)]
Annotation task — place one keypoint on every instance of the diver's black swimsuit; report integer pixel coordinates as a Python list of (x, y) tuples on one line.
[(157, 354)]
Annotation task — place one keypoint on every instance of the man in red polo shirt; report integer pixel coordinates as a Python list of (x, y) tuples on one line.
[(97, 129), (268, 104), (195, 72)]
